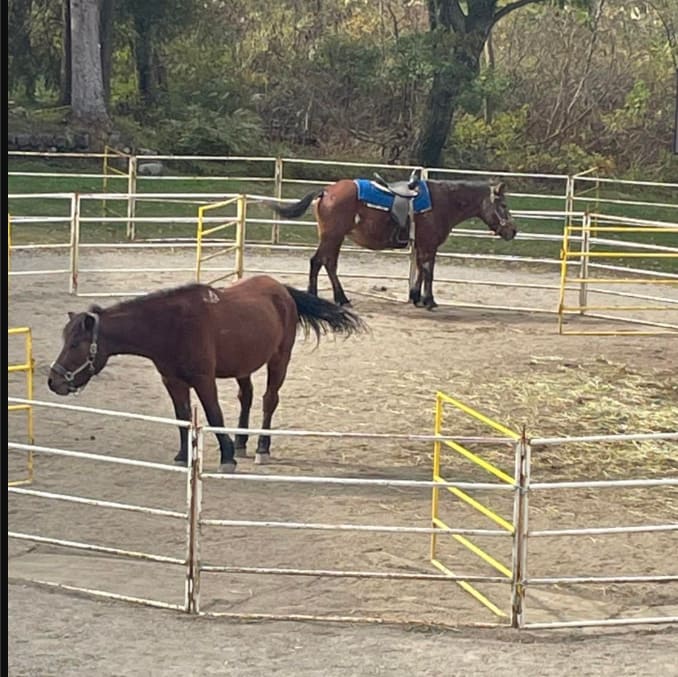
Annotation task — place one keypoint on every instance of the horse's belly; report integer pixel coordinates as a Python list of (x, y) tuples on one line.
[(373, 238)]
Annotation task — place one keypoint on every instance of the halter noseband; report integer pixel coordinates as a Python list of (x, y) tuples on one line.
[(69, 376)]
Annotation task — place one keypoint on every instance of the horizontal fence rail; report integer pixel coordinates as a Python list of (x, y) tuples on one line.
[(520, 484), (538, 198)]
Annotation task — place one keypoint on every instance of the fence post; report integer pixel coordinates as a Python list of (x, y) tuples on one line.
[(75, 243), (198, 241), (565, 248), (131, 199), (569, 199), (277, 187), (520, 512), (584, 262), (240, 236), (104, 187), (9, 249), (435, 491), (194, 503)]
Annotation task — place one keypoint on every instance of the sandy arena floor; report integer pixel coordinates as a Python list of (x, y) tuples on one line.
[(512, 366)]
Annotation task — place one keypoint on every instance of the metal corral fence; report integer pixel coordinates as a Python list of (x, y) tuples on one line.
[(203, 233), (148, 214), (185, 561), (521, 487), (28, 367), (597, 273), (507, 524)]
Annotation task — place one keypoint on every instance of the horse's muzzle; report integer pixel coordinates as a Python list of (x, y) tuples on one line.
[(507, 231), (59, 386)]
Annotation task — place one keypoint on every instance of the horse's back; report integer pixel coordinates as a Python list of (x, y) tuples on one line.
[(254, 319)]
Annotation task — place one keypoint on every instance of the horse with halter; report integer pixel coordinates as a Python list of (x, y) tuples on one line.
[(195, 334)]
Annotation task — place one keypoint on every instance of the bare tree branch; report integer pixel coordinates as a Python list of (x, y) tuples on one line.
[(670, 30), (507, 9), (589, 58)]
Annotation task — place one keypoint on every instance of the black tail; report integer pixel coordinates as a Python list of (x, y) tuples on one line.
[(298, 208), (322, 316)]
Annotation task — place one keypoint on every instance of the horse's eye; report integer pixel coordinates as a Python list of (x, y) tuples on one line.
[(73, 345)]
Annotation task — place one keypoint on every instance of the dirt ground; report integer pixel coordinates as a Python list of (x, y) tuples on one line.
[(512, 366)]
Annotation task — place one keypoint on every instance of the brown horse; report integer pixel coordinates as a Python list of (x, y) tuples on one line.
[(195, 334), (340, 213)]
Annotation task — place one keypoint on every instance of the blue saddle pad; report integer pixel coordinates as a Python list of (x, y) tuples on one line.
[(374, 195)]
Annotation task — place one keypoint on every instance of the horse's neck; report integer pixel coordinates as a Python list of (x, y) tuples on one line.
[(462, 206), (132, 330)]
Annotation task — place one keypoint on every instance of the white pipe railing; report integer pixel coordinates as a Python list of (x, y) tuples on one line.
[(196, 477)]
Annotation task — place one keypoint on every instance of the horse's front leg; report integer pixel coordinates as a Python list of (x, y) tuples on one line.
[(427, 271), (277, 368), (181, 399), (206, 388), (416, 280), (245, 397)]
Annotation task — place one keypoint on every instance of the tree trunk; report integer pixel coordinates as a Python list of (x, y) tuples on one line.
[(458, 40), (22, 71), (489, 67), (66, 71), (106, 34), (88, 104), (456, 71), (440, 106), (143, 54)]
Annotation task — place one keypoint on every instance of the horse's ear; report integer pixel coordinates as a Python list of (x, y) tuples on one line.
[(70, 315), (497, 190), (88, 322)]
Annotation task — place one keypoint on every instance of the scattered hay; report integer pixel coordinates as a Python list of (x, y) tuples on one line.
[(560, 398)]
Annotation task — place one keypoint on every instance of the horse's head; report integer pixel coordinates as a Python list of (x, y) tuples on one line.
[(495, 213), (81, 355)]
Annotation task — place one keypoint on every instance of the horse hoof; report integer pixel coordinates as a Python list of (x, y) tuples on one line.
[(241, 452), (228, 467), (262, 458), (180, 461)]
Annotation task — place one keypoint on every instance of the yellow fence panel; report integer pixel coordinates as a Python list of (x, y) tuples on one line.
[(27, 366), (508, 436), (236, 245), (605, 272)]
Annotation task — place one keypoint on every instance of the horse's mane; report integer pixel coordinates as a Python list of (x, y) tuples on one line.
[(473, 184), (160, 295)]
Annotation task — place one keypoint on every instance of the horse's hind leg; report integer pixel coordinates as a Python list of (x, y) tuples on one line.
[(206, 388), (245, 397), (181, 399), (327, 254), (314, 269), (340, 297), (277, 369)]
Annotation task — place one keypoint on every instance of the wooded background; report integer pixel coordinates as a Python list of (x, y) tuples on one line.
[(528, 85)]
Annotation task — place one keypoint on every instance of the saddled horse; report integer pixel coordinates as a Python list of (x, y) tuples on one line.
[(195, 334), (377, 215)]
